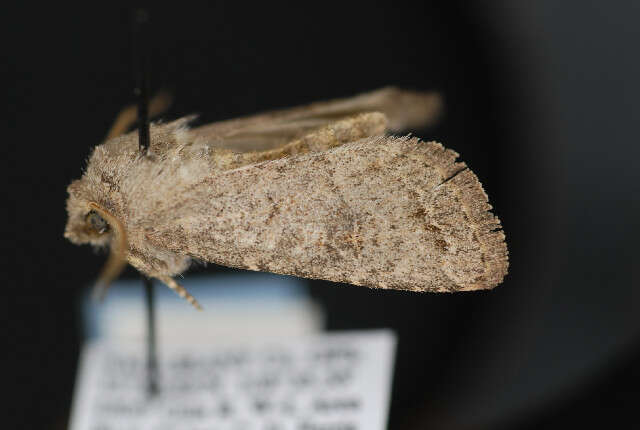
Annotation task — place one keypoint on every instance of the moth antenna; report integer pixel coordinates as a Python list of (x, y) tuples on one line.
[(180, 290), (117, 256)]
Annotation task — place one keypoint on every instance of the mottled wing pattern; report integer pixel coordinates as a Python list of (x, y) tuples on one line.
[(383, 212)]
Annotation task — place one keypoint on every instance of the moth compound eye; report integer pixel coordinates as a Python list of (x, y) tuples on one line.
[(96, 222)]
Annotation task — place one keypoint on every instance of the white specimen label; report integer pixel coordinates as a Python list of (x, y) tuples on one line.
[(322, 382)]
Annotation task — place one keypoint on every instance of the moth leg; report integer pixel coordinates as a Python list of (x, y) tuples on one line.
[(129, 114), (180, 290)]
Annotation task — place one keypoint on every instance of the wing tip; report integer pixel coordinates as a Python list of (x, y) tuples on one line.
[(488, 231)]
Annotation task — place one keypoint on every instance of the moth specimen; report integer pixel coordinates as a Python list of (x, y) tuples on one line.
[(319, 191)]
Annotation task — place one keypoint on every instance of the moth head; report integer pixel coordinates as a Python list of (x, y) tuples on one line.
[(116, 169), (105, 206), (87, 222), (96, 200), (90, 222)]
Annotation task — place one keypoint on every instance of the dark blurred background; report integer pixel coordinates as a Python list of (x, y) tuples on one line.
[(541, 101)]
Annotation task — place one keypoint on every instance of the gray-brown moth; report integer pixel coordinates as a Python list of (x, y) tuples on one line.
[(319, 191)]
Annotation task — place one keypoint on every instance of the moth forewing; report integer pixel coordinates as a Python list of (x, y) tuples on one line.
[(385, 212)]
